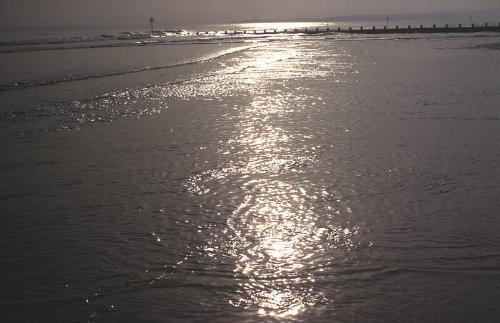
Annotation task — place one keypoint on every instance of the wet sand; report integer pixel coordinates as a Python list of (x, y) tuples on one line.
[(302, 180)]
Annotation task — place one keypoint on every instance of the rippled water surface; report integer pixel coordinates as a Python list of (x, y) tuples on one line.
[(291, 179)]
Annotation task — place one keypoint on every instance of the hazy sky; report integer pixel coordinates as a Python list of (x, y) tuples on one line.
[(185, 12)]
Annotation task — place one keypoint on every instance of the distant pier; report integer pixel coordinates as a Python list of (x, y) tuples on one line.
[(408, 29)]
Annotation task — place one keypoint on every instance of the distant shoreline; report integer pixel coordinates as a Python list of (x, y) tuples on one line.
[(373, 30)]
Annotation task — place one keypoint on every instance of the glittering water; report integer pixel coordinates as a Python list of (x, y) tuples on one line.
[(292, 178)]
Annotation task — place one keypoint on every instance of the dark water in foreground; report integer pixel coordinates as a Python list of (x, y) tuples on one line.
[(299, 179)]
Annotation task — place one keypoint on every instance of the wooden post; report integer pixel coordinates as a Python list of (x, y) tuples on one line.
[(152, 21)]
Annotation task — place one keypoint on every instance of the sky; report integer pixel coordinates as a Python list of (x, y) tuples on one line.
[(18, 13)]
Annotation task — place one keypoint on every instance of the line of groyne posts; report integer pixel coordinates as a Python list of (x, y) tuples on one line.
[(362, 30)]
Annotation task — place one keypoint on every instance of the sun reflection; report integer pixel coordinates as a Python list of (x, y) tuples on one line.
[(285, 227), (277, 234), (281, 25)]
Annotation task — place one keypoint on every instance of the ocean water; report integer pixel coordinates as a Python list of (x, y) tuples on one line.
[(249, 178)]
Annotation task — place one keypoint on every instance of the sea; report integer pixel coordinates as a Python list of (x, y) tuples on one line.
[(198, 175)]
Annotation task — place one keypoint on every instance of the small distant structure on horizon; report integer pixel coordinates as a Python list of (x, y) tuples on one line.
[(152, 21)]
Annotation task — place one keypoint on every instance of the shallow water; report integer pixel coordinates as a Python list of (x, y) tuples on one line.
[(301, 179)]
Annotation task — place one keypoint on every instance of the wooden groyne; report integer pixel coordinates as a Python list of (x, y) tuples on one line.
[(421, 29)]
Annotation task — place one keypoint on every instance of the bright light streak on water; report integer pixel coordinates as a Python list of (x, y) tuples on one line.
[(278, 232)]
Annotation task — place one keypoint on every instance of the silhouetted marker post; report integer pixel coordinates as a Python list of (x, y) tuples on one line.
[(152, 21)]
